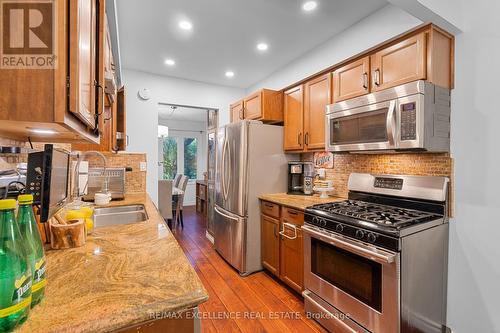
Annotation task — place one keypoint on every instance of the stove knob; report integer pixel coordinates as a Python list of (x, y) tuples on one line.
[(314, 220), (339, 227), (323, 223), (372, 237), (359, 234)]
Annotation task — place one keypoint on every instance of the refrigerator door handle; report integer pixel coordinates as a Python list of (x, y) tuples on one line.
[(225, 215), (223, 169), (228, 151)]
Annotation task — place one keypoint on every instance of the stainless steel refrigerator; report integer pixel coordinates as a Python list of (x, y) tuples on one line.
[(250, 161)]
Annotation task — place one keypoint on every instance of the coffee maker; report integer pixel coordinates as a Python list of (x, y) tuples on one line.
[(300, 178)]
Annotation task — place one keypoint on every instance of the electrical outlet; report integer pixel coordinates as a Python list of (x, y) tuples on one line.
[(143, 166)]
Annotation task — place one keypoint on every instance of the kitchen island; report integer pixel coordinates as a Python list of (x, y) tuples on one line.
[(125, 276)]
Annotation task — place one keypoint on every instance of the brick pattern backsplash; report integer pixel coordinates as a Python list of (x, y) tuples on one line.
[(422, 164), (135, 180)]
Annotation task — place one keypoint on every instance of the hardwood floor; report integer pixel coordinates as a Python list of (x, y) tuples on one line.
[(256, 303)]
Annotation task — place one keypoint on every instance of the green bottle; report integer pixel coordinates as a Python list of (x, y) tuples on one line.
[(33, 242), (15, 272)]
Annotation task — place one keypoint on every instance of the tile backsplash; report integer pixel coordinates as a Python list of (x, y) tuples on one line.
[(135, 180), (428, 164)]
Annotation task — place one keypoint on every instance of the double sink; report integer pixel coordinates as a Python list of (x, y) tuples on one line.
[(107, 216)]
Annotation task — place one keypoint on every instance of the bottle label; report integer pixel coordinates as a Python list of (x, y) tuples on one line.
[(21, 296), (39, 280), (22, 288)]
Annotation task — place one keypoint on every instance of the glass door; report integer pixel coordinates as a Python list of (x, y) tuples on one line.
[(355, 275)]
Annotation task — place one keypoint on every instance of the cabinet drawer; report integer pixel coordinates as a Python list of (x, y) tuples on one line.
[(270, 209), (293, 216)]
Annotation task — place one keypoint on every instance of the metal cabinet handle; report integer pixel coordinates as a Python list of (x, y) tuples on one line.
[(299, 139), (275, 233), (365, 80), (291, 226), (269, 205), (241, 113), (306, 139), (292, 212), (377, 77)]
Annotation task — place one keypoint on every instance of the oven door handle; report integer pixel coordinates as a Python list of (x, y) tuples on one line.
[(391, 123), (379, 256)]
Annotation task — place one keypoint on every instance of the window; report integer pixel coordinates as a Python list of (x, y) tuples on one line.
[(190, 157), (180, 155), (169, 157)]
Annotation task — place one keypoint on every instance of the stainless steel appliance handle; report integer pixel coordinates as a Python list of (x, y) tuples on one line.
[(222, 169), (379, 256), (228, 150), (225, 215), (391, 123), (291, 226), (345, 328)]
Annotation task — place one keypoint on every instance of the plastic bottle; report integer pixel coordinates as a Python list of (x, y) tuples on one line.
[(33, 241), (15, 272)]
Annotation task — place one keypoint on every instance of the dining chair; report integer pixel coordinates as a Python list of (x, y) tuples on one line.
[(182, 186), (177, 179), (165, 199)]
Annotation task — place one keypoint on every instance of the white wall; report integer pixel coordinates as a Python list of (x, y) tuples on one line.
[(142, 116), (474, 264), (196, 129), (372, 30)]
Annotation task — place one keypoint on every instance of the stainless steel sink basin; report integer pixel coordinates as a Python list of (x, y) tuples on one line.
[(119, 215)]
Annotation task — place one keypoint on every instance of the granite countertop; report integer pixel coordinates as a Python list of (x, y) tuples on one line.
[(120, 277), (297, 201)]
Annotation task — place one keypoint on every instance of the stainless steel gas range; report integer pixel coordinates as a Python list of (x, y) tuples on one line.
[(377, 262)]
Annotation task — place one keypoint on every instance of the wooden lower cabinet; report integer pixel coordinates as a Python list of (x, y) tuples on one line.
[(282, 246), (270, 251), (292, 259)]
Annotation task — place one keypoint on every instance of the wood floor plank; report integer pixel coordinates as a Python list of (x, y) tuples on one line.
[(262, 303)]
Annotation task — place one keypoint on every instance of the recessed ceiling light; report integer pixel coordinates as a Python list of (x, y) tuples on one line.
[(229, 74), (169, 62), (262, 46), (185, 25), (46, 131), (309, 5)]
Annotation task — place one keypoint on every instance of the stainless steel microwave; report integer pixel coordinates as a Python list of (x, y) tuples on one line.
[(413, 116)]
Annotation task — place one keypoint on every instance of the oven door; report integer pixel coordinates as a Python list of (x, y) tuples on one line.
[(370, 127), (358, 279)]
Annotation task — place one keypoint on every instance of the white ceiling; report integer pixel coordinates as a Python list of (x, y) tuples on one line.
[(182, 113), (225, 34)]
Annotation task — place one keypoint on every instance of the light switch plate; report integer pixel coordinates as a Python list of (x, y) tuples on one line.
[(143, 166)]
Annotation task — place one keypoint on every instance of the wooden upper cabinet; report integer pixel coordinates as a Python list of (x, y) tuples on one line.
[(265, 105), (400, 63), (351, 80), (83, 51), (270, 244), (293, 118), (236, 111), (317, 95)]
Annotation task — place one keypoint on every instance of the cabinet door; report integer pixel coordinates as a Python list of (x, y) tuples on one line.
[(236, 111), (400, 63), (292, 257), (253, 106), (351, 80), (316, 97), (293, 118), (83, 59), (270, 244)]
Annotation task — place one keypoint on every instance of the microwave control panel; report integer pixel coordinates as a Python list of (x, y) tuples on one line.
[(408, 121)]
